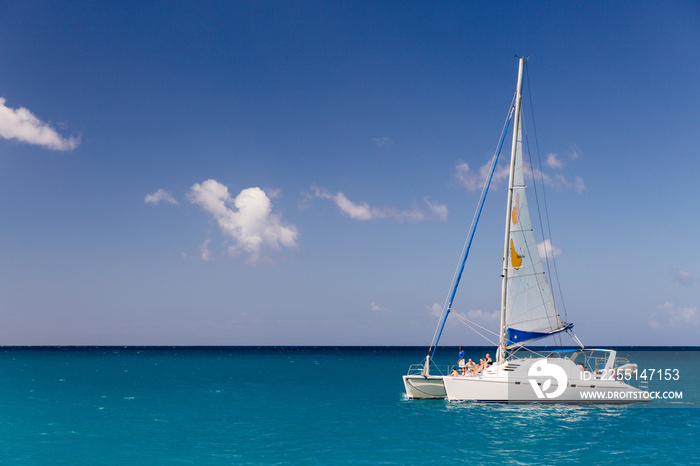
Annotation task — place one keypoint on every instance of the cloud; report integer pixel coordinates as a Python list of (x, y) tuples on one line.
[(377, 309), (352, 210), (160, 196), (670, 316), (682, 277), (363, 211), (478, 314), (474, 181), (385, 141), (205, 253), (559, 182), (247, 219), (435, 310), (545, 249), (21, 124), (554, 162)]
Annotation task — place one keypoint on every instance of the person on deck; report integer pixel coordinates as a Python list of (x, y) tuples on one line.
[(471, 367), (461, 363)]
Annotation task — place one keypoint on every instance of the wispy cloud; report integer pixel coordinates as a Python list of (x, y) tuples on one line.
[(682, 277), (474, 180), (435, 310), (363, 211), (247, 219), (160, 196), (377, 309), (545, 249), (21, 124), (669, 315), (205, 253), (383, 141), (479, 315), (554, 162)]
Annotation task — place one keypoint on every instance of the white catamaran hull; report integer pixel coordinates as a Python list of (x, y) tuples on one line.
[(424, 387), (542, 380)]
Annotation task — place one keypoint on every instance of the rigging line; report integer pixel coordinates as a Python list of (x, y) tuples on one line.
[(466, 320), (544, 196), (467, 323), (468, 242), (550, 319)]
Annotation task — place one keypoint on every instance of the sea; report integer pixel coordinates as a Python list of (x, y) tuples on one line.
[(315, 405)]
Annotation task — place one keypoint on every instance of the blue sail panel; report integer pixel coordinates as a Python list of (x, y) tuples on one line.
[(516, 336)]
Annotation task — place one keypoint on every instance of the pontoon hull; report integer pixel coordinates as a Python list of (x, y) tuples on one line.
[(424, 387)]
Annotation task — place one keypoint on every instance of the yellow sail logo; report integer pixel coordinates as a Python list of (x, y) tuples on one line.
[(515, 214), (515, 258)]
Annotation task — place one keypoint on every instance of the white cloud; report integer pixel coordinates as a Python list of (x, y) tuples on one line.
[(545, 249), (682, 277), (439, 210), (21, 124), (247, 219), (670, 316), (160, 196), (554, 162), (363, 211), (435, 310), (478, 314), (352, 210), (473, 181), (384, 141), (377, 309), (560, 182), (205, 252)]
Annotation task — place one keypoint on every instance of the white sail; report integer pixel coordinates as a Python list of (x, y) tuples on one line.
[(530, 309)]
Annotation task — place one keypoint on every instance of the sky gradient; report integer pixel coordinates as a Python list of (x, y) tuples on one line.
[(305, 173)]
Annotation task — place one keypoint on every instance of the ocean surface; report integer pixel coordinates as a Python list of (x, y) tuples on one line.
[(321, 405)]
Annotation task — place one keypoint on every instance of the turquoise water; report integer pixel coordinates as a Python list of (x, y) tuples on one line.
[(103, 406)]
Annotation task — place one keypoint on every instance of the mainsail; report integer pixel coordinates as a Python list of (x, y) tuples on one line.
[(530, 311)]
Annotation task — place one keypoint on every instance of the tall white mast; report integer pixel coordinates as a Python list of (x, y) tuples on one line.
[(516, 131)]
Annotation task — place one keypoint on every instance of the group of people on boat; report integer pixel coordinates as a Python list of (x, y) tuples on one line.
[(470, 367)]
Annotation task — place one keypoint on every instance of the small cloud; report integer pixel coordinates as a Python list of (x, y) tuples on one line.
[(363, 211), (682, 277), (546, 250), (352, 210), (274, 193), (670, 316), (247, 219), (435, 310), (439, 211), (205, 253), (377, 309), (554, 162), (474, 181), (575, 153), (21, 124), (384, 141), (478, 314), (160, 196)]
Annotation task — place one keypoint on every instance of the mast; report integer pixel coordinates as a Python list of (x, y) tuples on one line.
[(501, 356)]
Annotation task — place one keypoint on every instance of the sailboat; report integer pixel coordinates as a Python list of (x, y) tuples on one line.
[(528, 313)]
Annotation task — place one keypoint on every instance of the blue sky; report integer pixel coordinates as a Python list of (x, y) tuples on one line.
[(305, 173)]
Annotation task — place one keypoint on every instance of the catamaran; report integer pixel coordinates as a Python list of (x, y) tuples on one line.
[(528, 313)]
